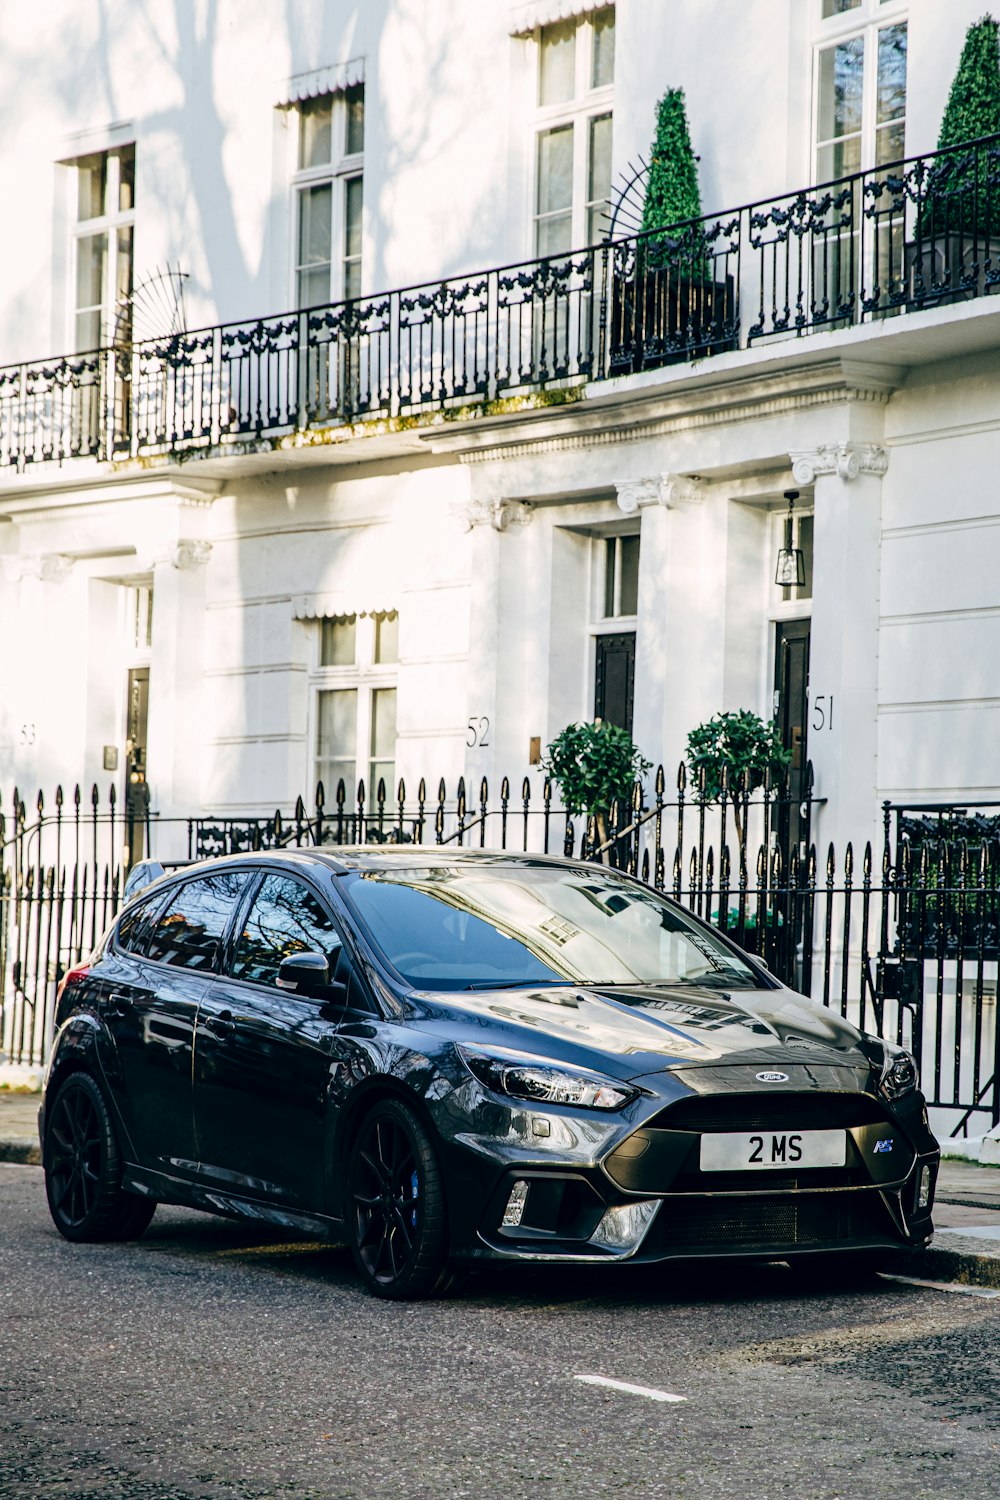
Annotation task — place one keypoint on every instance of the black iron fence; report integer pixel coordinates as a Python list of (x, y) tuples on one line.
[(908, 235), (899, 934)]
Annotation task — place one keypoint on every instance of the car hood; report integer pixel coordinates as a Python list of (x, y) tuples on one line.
[(648, 1030)]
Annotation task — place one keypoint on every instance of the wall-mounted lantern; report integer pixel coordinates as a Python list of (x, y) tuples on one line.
[(791, 569)]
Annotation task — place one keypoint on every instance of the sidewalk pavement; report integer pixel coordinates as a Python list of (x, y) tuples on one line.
[(966, 1244)]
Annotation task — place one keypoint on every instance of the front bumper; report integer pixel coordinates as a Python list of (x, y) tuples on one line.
[(639, 1194)]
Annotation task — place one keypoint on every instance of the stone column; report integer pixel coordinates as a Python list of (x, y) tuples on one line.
[(663, 680), (176, 719), (843, 665), (492, 657)]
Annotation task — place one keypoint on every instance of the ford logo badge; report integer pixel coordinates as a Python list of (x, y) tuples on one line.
[(772, 1077)]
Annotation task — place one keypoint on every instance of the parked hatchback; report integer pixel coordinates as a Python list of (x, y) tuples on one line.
[(447, 1058)]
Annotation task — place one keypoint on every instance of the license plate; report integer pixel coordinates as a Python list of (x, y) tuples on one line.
[(770, 1150)]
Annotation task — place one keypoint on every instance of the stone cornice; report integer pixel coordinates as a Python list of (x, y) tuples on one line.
[(636, 413), (102, 494), (845, 460)]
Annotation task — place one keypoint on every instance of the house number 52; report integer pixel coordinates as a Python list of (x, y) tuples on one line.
[(477, 734)]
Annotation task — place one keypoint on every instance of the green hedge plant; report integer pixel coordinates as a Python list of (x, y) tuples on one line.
[(594, 765), (730, 755)]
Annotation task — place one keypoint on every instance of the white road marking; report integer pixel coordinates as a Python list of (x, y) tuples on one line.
[(943, 1286), (632, 1390)]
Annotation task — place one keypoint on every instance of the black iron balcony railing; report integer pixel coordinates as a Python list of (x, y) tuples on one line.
[(910, 235)]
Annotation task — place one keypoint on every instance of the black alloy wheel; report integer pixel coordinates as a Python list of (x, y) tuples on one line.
[(398, 1225), (83, 1168)]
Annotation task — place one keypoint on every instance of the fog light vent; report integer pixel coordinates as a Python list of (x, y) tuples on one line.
[(514, 1211), (924, 1189), (624, 1228)]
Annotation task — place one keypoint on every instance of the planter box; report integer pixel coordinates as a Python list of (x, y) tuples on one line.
[(659, 317), (952, 267)]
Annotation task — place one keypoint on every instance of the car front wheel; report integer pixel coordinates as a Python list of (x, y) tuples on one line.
[(397, 1219), (83, 1168)]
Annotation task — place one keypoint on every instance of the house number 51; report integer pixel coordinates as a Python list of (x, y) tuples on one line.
[(822, 716)]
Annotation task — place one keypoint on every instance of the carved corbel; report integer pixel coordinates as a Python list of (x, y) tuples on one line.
[(845, 460), (672, 491), (502, 515), (190, 554)]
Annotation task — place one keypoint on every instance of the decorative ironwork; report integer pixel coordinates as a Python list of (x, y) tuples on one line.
[(906, 944), (912, 234)]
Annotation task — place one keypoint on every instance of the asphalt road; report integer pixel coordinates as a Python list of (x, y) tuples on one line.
[(211, 1361)]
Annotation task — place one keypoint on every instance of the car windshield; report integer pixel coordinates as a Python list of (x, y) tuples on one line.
[(500, 924)]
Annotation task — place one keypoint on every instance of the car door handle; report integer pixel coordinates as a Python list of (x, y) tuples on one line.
[(222, 1024), (120, 1003)]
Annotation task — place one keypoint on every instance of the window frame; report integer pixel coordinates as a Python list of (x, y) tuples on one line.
[(112, 223), (342, 169), (587, 104), (866, 20), (365, 676)]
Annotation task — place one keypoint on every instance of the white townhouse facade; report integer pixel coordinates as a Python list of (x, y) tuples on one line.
[(336, 442)]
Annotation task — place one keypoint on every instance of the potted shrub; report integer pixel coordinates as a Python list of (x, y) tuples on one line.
[(666, 303), (734, 752), (956, 244), (731, 756), (594, 765)]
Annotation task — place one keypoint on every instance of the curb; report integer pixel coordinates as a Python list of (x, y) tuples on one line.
[(962, 1266), (26, 1152)]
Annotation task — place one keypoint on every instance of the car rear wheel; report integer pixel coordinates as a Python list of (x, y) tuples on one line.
[(83, 1168), (398, 1225)]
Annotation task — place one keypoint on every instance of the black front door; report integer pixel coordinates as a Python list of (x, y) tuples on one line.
[(136, 785), (614, 679), (791, 694)]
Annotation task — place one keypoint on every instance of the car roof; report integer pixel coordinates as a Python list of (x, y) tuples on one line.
[(345, 859)]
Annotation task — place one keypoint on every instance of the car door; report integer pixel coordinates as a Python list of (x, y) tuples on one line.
[(263, 1055), (161, 965)]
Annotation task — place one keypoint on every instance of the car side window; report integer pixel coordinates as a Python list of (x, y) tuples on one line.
[(189, 931), (285, 918), (136, 925)]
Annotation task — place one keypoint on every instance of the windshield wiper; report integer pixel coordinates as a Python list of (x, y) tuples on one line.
[(519, 984)]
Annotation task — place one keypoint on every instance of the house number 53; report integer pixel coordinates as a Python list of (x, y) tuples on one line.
[(822, 711)]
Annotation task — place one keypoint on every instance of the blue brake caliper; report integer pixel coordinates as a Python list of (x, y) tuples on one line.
[(413, 1189)]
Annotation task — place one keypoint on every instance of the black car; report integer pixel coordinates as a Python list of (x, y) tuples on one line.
[(449, 1057)]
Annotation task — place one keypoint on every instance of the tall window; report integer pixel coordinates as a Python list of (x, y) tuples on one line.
[(103, 248), (860, 87), (613, 626), (572, 137), (355, 704), (329, 194)]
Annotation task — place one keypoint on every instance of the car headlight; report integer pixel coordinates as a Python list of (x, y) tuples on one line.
[(536, 1079), (899, 1072)]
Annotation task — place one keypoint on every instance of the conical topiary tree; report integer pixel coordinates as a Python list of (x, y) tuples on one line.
[(973, 107), (672, 194), (958, 197)]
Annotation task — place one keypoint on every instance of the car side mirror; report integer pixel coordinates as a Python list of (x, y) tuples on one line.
[(309, 974)]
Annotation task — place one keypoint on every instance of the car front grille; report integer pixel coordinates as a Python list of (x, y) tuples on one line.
[(803, 1110), (770, 1224)]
